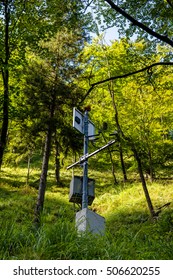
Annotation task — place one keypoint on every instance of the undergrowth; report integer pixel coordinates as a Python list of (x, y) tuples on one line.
[(130, 233)]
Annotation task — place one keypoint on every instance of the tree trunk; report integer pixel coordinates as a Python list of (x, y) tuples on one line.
[(111, 91), (150, 206), (43, 177), (5, 76), (112, 162), (57, 163), (130, 143), (113, 167), (119, 134), (122, 163), (120, 144), (45, 162), (4, 130)]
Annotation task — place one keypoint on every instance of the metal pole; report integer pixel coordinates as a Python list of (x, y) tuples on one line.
[(85, 164), (85, 157)]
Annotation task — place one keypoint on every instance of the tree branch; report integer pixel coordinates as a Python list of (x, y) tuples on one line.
[(123, 76), (88, 5), (170, 3), (139, 24)]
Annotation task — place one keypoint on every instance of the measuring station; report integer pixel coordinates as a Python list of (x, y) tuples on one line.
[(81, 187)]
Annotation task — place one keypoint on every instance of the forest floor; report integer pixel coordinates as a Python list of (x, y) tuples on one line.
[(130, 232)]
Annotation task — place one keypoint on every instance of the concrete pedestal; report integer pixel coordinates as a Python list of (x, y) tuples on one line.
[(87, 220)]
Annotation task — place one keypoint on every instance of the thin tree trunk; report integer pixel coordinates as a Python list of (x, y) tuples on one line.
[(5, 76), (111, 91), (119, 140), (4, 130), (45, 162), (119, 134), (130, 143), (112, 162), (122, 163), (43, 177), (57, 163), (147, 196), (113, 167)]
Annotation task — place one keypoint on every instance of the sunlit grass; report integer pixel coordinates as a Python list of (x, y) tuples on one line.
[(130, 233)]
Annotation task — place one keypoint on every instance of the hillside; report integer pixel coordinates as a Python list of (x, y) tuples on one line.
[(130, 233)]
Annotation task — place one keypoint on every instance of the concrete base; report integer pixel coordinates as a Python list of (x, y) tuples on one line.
[(87, 220)]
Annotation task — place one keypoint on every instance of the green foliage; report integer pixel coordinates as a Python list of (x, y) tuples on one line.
[(48, 79), (141, 103), (26, 26), (156, 15), (57, 72)]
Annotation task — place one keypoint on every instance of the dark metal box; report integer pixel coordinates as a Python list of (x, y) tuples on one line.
[(76, 186)]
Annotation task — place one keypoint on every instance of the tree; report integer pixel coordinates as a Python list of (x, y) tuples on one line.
[(148, 19), (146, 12), (50, 92), (15, 21), (138, 119), (23, 24)]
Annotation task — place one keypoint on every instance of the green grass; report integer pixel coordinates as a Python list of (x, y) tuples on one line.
[(130, 233)]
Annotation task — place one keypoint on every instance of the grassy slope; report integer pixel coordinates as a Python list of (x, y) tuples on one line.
[(130, 234)]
